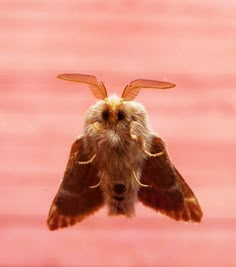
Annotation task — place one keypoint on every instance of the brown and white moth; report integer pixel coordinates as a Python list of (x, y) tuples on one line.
[(119, 160)]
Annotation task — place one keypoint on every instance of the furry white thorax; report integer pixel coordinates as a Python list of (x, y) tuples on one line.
[(115, 134), (118, 153)]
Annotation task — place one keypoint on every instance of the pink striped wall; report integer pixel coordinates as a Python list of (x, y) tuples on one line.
[(190, 43)]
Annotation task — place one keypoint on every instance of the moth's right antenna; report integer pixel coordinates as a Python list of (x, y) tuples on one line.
[(133, 89), (98, 89)]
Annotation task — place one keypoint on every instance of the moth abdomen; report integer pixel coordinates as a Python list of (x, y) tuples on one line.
[(118, 198), (120, 205), (119, 189)]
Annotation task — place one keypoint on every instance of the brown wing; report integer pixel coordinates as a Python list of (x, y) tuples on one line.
[(75, 200), (168, 192)]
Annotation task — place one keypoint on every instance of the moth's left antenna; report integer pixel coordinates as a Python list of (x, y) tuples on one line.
[(98, 89)]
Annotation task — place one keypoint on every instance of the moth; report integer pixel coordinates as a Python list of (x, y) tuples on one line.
[(119, 160)]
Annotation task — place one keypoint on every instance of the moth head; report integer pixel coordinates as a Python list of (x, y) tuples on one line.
[(113, 109), (110, 111), (129, 93)]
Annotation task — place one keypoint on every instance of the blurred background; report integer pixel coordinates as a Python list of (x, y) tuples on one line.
[(190, 43)]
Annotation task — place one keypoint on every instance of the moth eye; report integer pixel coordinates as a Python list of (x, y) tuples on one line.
[(105, 114), (120, 114)]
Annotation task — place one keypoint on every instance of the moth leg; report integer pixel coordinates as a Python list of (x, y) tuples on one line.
[(96, 126), (137, 180), (136, 135), (88, 161), (151, 154), (135, 130), (98, 184)]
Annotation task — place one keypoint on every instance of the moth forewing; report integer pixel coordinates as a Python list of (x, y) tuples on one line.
[(75, 200), (118, 161), (169, 193)]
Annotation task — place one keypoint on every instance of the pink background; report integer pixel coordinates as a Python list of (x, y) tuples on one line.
[(190, 43)]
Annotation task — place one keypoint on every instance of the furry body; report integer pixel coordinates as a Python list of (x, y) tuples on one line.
[(117, 154)]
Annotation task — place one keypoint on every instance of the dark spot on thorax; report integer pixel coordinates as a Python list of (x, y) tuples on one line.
[(119, 188)]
